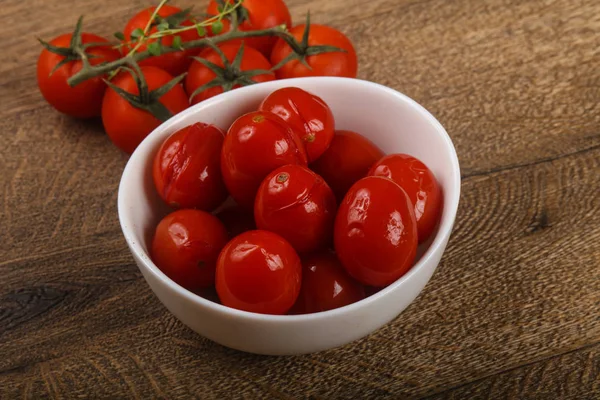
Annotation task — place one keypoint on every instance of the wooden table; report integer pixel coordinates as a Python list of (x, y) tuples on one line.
[(512, 312)]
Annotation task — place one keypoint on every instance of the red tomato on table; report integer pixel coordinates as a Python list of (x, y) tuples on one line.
[(259, 271), (419, 183), (186, 246), (325, 64), (199, 74), (308, 114), (261, 14), (83, 100), (348, 158), (325, 285), (127, 125), (256, 144), (187, 168), (297, 204), (375, 232), (175, 63)]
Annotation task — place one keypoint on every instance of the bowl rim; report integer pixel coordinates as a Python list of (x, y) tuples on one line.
[(145, 149)]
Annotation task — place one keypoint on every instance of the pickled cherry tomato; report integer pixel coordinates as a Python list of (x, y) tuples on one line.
[(256, 144), (307, 114), (186, 245), (375, 232), (419, 183), (187, 171), (297, 204), (325, 285), (348, 158), (259, 271)]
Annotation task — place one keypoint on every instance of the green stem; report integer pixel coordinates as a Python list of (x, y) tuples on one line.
[(140, 80), (159, 110), (229, 10), (234, 21), (89, 71), (148, 25)]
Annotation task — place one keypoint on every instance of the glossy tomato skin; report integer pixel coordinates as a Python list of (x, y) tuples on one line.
[(263, 14), (199, 74), (187, 168), (375, 234), (419, 183), (297, 204), (325, 285), (175, 63), (256, 144), (259, 271), (85, 99), (237, 220), (347, 159), (324, 64), (308, 114), (126, 125), (186, 246)]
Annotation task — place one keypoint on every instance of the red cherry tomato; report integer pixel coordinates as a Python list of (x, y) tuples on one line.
[(324, 64), (83, 100), (347, 159), (259, 271), (256, 144), (199, 74), (237, 220), (325, 285), (187, 168), (262, 14), (375, 232), (297, 204), (307, 114), (186, 246), (419, 183), (175, 63), (127, 125)]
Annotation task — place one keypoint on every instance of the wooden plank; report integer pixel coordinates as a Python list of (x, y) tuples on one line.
[(512, 310), (59, 184), (573, 375)]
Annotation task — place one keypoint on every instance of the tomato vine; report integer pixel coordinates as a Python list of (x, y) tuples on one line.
[(147, 42)]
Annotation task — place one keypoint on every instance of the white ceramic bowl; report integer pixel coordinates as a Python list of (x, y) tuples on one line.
[(392, 121)]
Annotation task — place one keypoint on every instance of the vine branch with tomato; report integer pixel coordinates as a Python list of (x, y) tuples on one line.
[(152, 41), (234, 55), (89, 71)]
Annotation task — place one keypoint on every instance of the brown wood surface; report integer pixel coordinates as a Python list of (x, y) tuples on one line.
[(512, 312)]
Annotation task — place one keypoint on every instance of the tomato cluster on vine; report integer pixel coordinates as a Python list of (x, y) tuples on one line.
[(284, 214), (168, 59)]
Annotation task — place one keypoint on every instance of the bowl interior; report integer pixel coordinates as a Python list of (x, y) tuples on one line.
[(391, 120)]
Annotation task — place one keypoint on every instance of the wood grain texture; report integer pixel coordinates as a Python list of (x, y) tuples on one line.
[(573, 375), (512, 312)]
